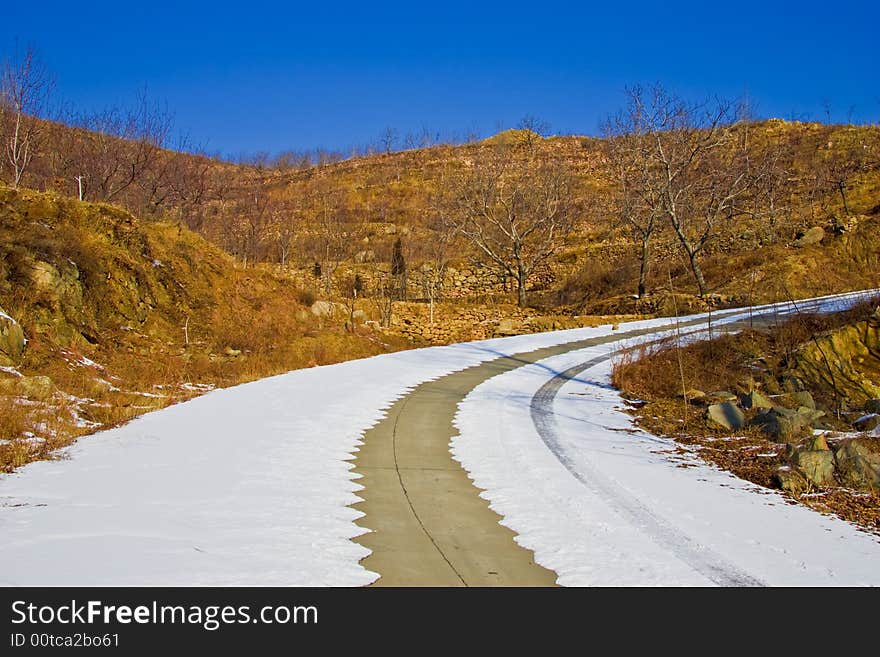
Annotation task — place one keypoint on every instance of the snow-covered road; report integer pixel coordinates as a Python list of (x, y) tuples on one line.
[(252, 485), (603, 503)]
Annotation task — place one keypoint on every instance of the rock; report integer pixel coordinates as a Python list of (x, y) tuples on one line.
[(232, 353), (816, 465), (792, 481), (327, 308), (792, 384), (12, 340), (872, 406), (784, 424), (803, 398), (811, 237), (817, 443), (359, 316), (727, 414), (858, 463), (721, 396), (367, 255), (782, 411), (509, 327), (694, 396), (756, 400), (39, 388), (853, 353), (811, 414), (867, 422)]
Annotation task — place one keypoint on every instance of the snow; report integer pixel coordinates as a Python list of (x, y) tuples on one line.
[(248, 485), (606, 504), (252, 485), (80, 360)]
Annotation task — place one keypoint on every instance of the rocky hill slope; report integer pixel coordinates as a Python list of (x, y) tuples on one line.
[(104, 317)]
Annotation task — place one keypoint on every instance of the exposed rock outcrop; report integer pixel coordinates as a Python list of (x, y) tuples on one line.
[(858, 462), (12, 340), (846, 360)]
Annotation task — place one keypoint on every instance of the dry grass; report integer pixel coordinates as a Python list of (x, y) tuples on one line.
[(733, 362), (658, 374), (119, 292)]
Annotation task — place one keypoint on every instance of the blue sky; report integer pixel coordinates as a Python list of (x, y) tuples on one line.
[(261, 76)]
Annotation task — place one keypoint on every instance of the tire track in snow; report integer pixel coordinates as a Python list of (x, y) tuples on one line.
[(698, 557)]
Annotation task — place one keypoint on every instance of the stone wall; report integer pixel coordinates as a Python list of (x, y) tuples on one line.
[(459, 282)]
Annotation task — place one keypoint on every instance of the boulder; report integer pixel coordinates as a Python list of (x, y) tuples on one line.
[(803, 398), (39, 388), (792, 481), (853, 353), (756, 400), (792, 384), (509, 327), (721, 396), (811, 237), (12, 340), (867, 422), (36, 387), (816, 465), (726, 414), (694, 396), (817, 443), (786, 425), (858, 463), (327, 308)]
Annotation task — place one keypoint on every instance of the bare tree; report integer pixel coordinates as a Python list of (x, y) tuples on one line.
[(330, 239), (398, 269), (772, 175), (282, 227), (533, 129), (24, 92), (384, 296), (845, 155), (424, 138), (686, 162), (388, 139), (635, 198), (434, 253), (514, 208), (121, 146)]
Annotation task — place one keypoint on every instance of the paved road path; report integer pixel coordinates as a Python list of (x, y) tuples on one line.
[(430, 527)]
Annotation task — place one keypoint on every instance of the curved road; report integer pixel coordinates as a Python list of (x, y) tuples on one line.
[(429, 525)]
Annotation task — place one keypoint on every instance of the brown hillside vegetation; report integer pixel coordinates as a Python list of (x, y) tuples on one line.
[(805, 226), (123, 316), (216, 281)]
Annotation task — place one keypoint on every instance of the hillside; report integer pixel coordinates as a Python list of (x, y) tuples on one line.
[(807, 227), (105, 317)]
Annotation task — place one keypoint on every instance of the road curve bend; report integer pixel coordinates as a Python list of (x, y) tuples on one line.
[(429, 524)]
